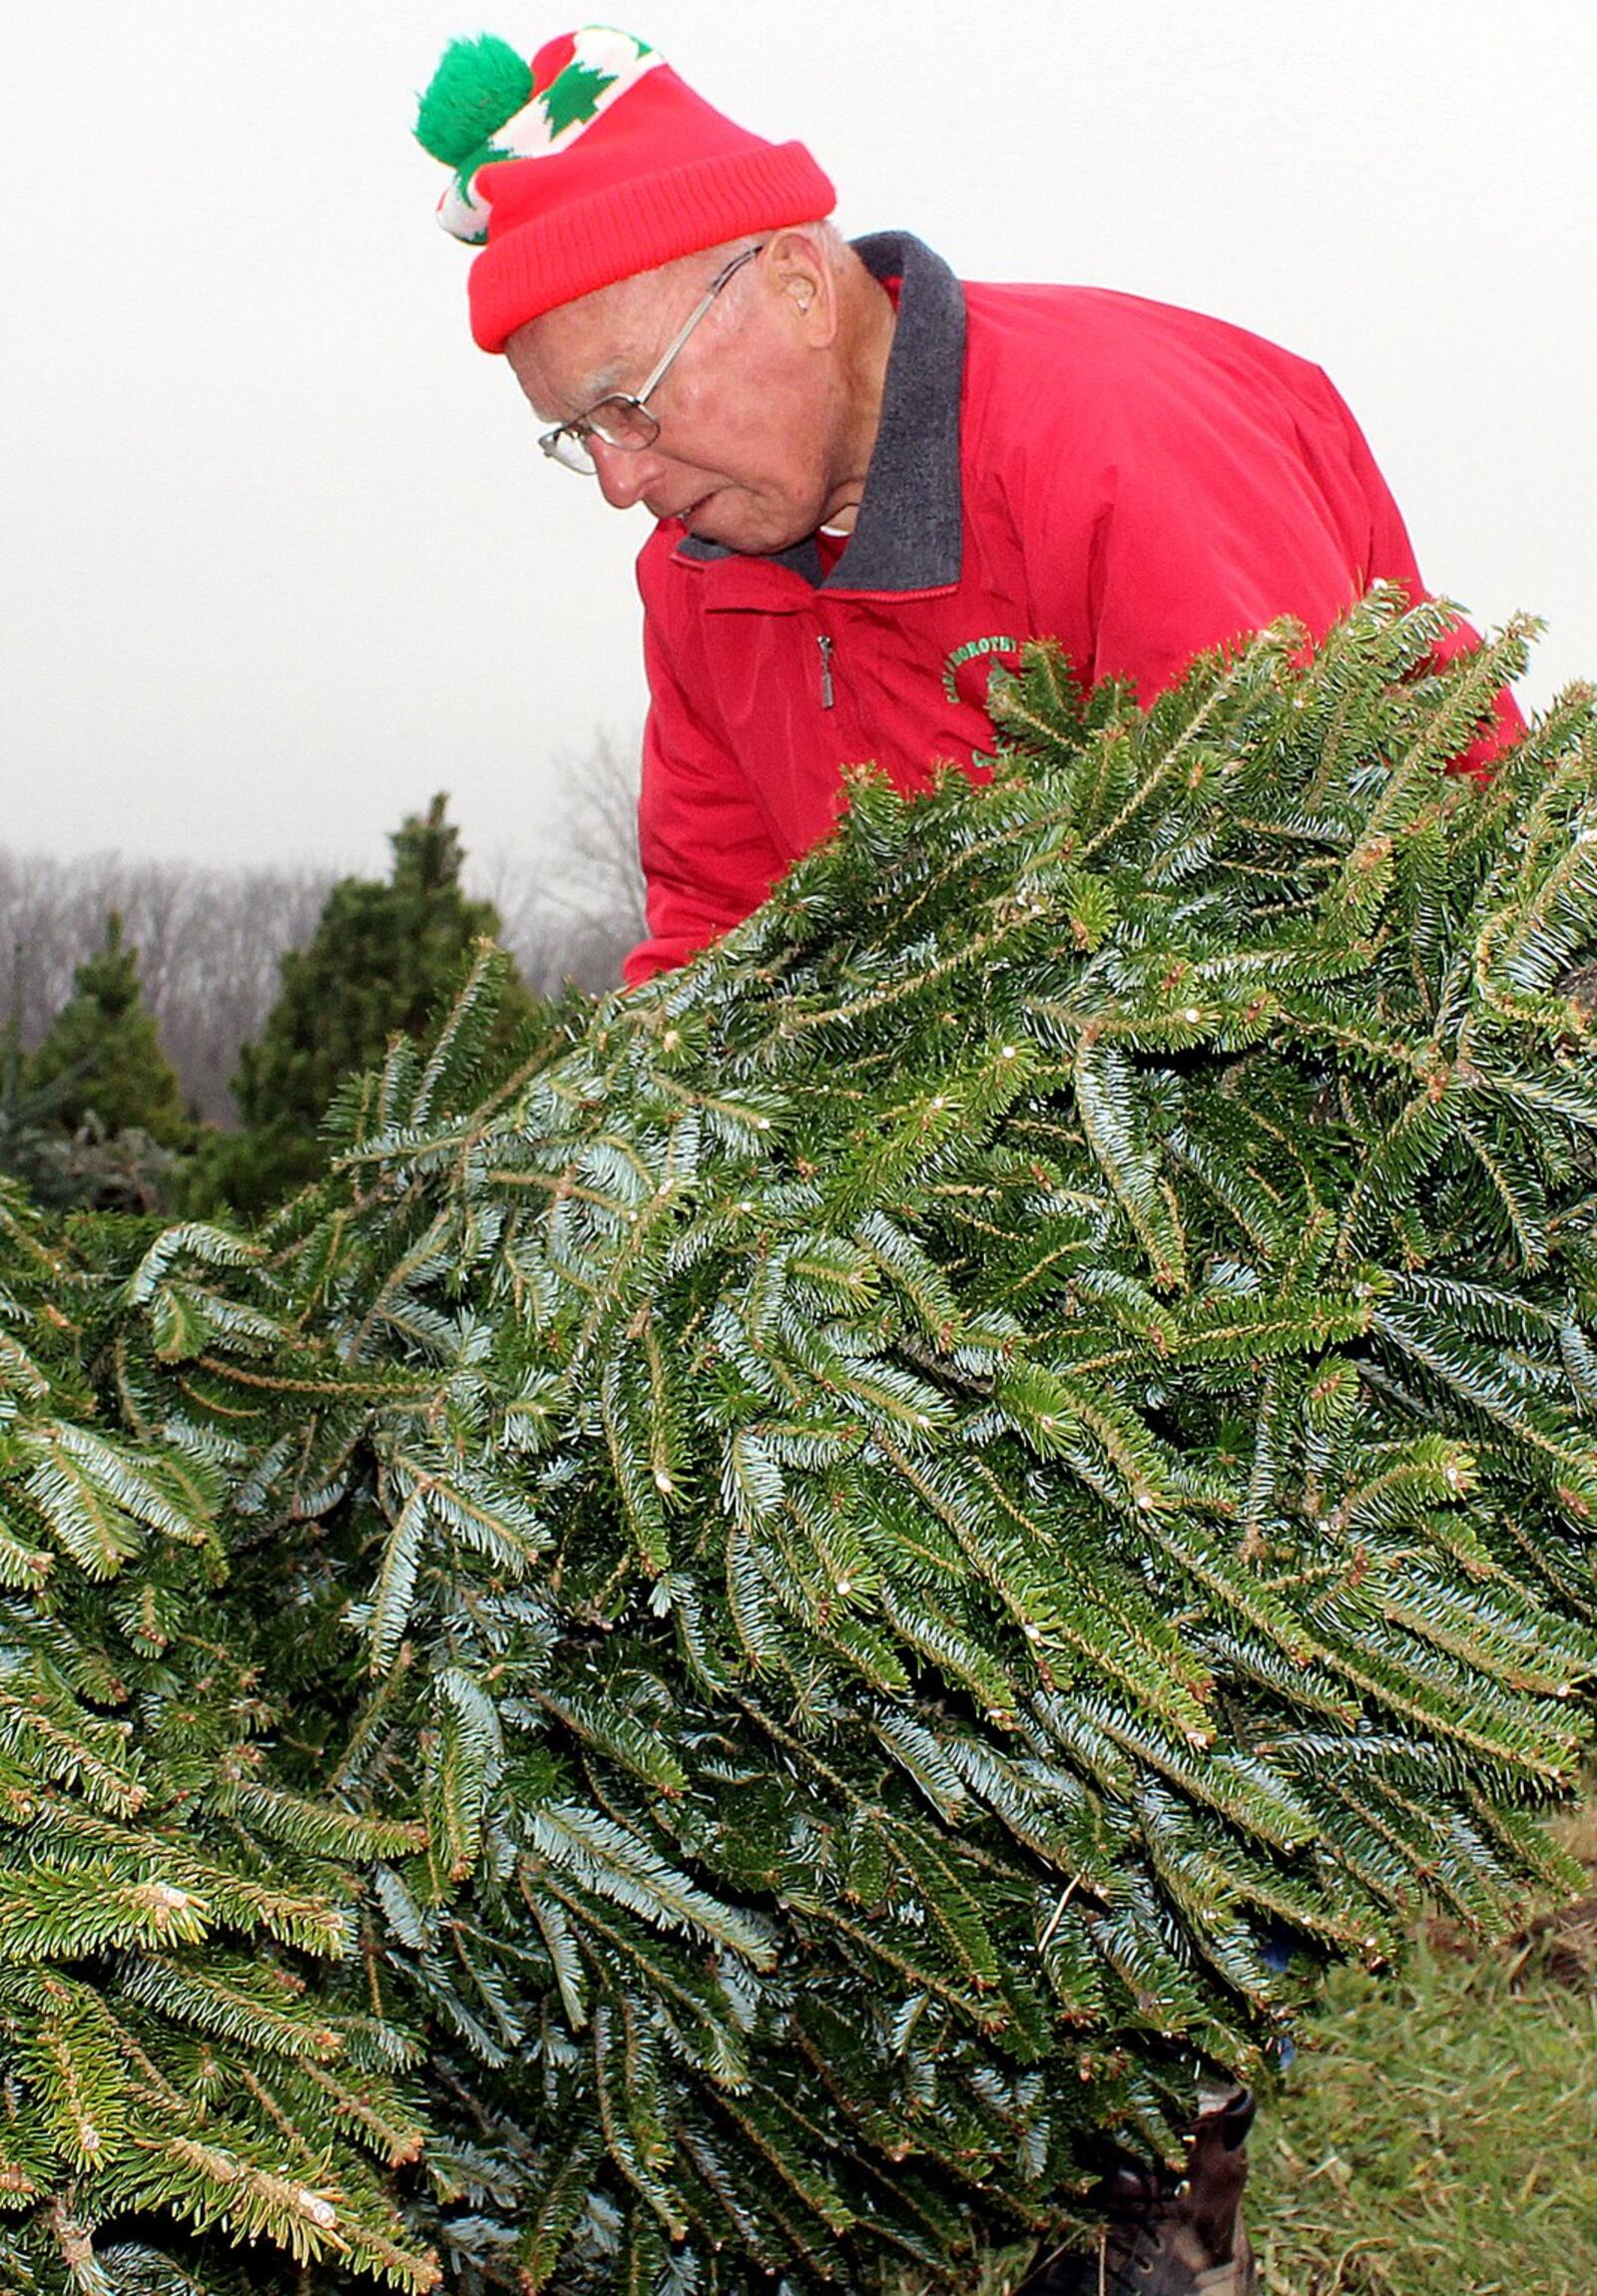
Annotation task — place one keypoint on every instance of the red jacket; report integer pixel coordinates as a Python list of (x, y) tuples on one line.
[(1138, 482)]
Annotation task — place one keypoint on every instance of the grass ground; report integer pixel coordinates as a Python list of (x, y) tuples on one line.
[(1438, 2133), (1440, 2136)]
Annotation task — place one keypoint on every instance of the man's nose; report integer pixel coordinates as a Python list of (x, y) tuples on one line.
[(625, 473)]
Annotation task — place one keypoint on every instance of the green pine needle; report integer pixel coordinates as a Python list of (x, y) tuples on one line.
[(746, 1633)]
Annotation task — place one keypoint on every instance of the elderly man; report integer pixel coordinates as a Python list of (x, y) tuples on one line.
[(870, 483)]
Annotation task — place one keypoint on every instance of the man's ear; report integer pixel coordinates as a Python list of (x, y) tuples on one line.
[(798, 267)]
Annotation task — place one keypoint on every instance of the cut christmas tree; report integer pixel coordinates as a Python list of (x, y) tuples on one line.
[(841, 1569), (169, 2048)]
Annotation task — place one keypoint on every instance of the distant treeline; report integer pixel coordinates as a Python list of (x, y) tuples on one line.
[(210, 939)]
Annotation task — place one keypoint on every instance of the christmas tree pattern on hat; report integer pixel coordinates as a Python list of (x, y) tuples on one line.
[(484, 104)]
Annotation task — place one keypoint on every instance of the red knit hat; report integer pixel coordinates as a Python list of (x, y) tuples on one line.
[(594, 162)]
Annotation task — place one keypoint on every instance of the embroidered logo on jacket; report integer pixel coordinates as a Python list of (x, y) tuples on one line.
[(974, 649)]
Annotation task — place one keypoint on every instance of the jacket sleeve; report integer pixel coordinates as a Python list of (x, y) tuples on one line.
[(1209, 515), (708, 857)]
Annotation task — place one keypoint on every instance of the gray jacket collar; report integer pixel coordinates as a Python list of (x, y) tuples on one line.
[(907, 531)]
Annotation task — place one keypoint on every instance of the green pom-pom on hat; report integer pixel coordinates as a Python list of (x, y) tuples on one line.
[(478, 86)]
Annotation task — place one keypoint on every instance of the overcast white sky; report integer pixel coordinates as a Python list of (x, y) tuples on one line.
[(280, 557)]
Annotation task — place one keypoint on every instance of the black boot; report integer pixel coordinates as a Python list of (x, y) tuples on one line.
[(1165, 2236)]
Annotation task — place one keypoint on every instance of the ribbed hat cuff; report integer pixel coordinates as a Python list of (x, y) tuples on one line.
[(636, 225)]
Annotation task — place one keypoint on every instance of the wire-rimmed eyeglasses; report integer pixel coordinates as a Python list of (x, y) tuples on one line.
[(622, 418)]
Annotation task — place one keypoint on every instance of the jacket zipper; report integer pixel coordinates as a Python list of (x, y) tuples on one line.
[(827, 690)]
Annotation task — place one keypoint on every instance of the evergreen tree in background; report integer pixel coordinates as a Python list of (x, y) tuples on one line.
[(384, 959), (102, 1046), (813, 1583), (95, 1118)]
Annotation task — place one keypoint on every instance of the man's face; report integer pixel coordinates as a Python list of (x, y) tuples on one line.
[(747, 411)]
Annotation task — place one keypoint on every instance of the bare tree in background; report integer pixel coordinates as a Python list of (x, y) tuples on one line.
[(209, 939), (574, 912)]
